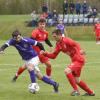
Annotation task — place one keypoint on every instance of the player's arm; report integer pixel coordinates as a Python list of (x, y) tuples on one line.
[(47, 41), (36, 43), (10, 42), (40, 46), (7, 44), (76, 46), (3, 47), (52, 55)]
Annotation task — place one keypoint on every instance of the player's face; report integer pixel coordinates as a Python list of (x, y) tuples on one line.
[(17, 38), (41, 25), (56, 37), (60, 22)]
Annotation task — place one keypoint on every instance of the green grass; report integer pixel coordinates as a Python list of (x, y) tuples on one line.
[(8, 23), (10, 61)]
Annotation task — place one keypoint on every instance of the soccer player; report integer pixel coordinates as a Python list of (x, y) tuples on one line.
[(41, 35), (97, 32), (30, 56), (73, 71), (61, 26)]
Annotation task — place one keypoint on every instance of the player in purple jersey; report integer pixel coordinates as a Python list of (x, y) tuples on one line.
[(24, 47), (61, 27)]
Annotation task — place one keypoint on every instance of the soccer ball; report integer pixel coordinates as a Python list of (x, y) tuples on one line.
[(33, 87)]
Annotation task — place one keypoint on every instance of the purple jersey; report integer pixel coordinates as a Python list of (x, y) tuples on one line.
[(61, 27), (24, 47)]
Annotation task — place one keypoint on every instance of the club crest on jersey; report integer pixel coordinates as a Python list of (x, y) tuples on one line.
[(25, 45), (65, 46), (40, 35), (44, 35)]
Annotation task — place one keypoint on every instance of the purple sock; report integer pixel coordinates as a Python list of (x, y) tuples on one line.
[(32, 76), (48, 81)]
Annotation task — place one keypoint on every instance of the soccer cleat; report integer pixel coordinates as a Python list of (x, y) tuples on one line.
[(87, 94), (56, 86), (75, 93), (14, 78)]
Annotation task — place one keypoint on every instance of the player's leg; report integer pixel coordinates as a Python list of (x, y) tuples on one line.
[(46, 61), (85, 87), (80, 83), (30, 68), (48, 68), (46, 79), (71, 79), (19, 72)]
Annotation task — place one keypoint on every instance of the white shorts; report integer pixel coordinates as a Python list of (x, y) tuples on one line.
[(35, 61)]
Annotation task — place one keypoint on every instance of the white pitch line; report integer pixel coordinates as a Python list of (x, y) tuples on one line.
[(54, 65), (8, 65)]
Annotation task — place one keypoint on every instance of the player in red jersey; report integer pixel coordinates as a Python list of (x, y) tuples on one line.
[(41, 35), (77, 55), (97, 32)]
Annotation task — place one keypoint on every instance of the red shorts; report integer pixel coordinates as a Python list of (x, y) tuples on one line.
[(76, 68), (97, 36), (43, 59)]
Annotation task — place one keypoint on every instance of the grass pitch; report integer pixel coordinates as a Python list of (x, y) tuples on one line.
[(10, 61)]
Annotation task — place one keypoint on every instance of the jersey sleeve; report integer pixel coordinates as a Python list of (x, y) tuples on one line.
[(72, 43), (10, 42), (32, 42), (47, 35), (54, 54)]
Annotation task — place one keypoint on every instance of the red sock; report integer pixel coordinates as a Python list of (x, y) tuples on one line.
[(48, 71), (84, 86), (20, 70), (72, 81)]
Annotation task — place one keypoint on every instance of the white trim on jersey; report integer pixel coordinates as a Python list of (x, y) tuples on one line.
[(35, 43), (7, 44)]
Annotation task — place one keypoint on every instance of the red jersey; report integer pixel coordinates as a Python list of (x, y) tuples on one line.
[(39, 35), (69, 47), (97, 28)]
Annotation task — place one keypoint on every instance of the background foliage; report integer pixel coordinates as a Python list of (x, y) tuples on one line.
[(26, 6)]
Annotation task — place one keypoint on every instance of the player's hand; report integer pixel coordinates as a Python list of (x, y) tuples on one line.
[(1, 52), (82, 52), (41, 52)]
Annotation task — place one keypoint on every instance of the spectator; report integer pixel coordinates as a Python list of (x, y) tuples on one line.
[(85, 7), (44, 8), (95, 12), (61, 26), (50, 15), (44, 15), (65, 7), (78, 7), (90, 12), (34, 18), (54, 17), (71, 7)]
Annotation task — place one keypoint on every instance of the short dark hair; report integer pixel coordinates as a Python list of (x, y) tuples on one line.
[(41, 20), (57, 31), (16, 33)]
